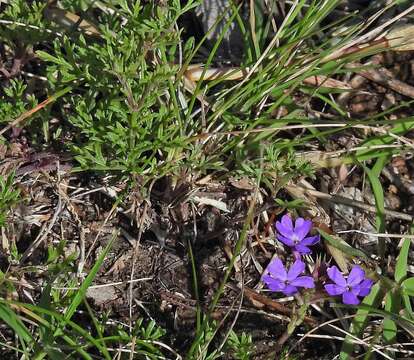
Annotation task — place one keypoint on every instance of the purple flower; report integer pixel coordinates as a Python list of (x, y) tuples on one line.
[(355, 285), (277, 278), (294, 236)]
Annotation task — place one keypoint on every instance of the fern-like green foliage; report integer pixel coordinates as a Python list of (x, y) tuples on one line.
[(27, 23), (125, 111), (8, 197), (13, 101), (241, 346)]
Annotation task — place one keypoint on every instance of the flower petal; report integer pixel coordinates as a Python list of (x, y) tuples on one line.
[(311, 240), (355, 290), (302, 227), (287, 221), (302, 249), (333, 289), (304, 281), (356, 276), (364, 287), (349, 298), (283, 230), (285, 226), (290, 290), (336, 276), (285, 240), (267, 279), (295, 270), (277, 269), (273, 284)]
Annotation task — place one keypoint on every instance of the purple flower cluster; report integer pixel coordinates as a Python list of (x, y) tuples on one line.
[(295, 236), (288, 281), (355, 285), (277, 278)]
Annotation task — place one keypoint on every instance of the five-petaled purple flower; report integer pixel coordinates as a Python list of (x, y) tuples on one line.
[(277, 278), (294, 236), (355, 285)]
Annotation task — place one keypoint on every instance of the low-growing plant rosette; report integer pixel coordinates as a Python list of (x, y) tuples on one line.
[(294, 236), (355, 286), (279, 279)]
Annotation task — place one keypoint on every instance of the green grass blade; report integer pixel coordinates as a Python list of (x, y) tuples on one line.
[(103, 348), (341, 245), (377, 190), (401, 265), (398, 129), (33, 310), (238, 247), (358, 324), (408, 309), (392, 304), (389, 332), (408, 286), (12, 319), (195, 285), (207, 64), (88, 281)]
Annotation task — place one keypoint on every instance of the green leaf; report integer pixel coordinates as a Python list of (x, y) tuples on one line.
[(11, 319), (358, 324), (342, 245), (401, 265), (88, 281), (408, 309), (408, 286), (50, 58), (393, 305), (377, 190), (61, 329), (389, 332), (388, 138)]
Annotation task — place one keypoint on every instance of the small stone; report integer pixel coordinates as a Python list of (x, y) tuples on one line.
[(102, 295)]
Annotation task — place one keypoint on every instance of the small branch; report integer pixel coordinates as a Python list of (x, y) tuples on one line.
[(350, 202), (253, 296), (385, 78)]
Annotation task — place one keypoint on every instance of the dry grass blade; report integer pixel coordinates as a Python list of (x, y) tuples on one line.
[(69, 20), (44, 233), (384, 77), (195, 72), (37, 108), (354, 203), (395, 236), (253, 296), (329, 324), (401, 38), (381, 42)]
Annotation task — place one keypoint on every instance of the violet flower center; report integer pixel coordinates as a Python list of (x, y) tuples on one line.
[(295, 239)]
